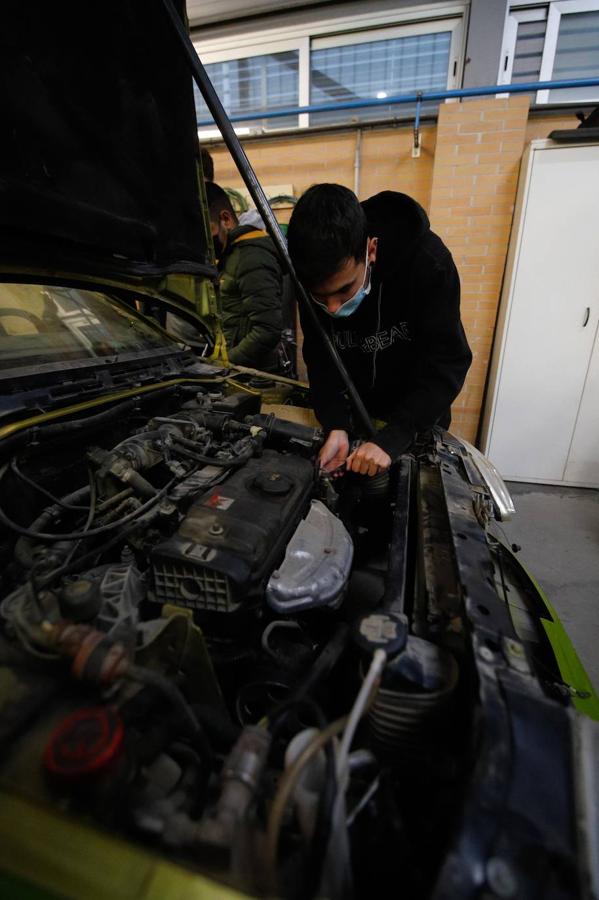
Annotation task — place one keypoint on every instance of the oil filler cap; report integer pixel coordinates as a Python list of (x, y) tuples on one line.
[(273, 483), (85, 743)]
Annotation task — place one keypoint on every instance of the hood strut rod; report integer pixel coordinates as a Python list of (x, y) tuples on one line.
[(262, 205)]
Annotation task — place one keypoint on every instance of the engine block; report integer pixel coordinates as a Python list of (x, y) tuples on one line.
[(234, 536)]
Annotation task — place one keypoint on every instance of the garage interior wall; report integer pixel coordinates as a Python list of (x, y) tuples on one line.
[(466, 178)]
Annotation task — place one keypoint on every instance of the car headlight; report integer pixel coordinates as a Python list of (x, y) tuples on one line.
[(502, 499)]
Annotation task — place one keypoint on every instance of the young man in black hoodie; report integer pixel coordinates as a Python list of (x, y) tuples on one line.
[(387, 290)]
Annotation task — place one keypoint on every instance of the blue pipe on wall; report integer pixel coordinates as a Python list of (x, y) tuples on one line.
[(418, 97)]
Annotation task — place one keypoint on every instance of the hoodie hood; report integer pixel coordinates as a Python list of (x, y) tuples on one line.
[(98, 161), (400, 224), (248, 234)]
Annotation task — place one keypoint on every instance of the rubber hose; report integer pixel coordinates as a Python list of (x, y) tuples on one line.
[(24, 545)]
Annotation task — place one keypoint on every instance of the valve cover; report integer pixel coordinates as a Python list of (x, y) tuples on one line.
[(234, 536)]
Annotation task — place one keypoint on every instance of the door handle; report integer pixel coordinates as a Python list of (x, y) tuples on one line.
[(587, 316)]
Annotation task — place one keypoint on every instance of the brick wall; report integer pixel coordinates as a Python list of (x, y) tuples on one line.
[(542, 125), (466, 178), (304, 160), (477, 160)]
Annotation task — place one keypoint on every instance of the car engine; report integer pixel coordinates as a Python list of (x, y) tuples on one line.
[(195, 622)]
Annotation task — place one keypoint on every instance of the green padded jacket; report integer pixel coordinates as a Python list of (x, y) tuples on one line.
[(250, 296)]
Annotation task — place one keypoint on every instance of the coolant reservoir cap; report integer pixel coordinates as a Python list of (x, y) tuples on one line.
[(386, 631), (273, 483), (84, 743)]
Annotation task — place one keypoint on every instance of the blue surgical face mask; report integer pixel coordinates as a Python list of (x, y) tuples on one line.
[(351, 305)]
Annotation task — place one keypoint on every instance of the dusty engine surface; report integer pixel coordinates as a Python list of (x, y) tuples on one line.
[(232, 538), (190, 613)]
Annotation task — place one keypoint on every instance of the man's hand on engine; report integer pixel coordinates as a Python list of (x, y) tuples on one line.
[(334, 451), (368, 459)]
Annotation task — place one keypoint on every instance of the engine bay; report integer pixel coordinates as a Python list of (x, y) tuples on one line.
[(212, 648)]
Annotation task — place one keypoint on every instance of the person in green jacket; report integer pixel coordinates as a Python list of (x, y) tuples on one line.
[(250, 286)]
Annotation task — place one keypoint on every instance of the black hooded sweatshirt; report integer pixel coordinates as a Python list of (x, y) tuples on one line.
[(405, 346)]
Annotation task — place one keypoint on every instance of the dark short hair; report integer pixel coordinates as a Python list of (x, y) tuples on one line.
[(218, 200), (327, 227), (207, 164)]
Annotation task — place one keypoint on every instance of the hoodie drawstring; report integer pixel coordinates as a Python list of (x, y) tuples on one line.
[(378, 328)]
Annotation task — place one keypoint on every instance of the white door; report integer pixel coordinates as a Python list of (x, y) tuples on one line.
[(548, 334), (583, 460)]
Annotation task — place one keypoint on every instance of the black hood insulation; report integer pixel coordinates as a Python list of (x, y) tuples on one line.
[(98, 161)]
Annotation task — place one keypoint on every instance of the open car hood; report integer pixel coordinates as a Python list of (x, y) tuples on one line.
[(98, 163)]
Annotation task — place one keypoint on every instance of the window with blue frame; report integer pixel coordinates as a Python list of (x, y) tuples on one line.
[(264, 83), (371, 55), (376, 70)]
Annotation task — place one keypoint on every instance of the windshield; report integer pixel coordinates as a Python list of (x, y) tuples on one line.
[(41, 324)]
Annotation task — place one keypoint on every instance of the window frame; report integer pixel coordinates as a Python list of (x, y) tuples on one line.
[(341, 30), (554, 17), (262, 49), (551, 11)]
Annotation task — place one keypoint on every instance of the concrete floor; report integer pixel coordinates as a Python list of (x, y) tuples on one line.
[(558, 530)]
